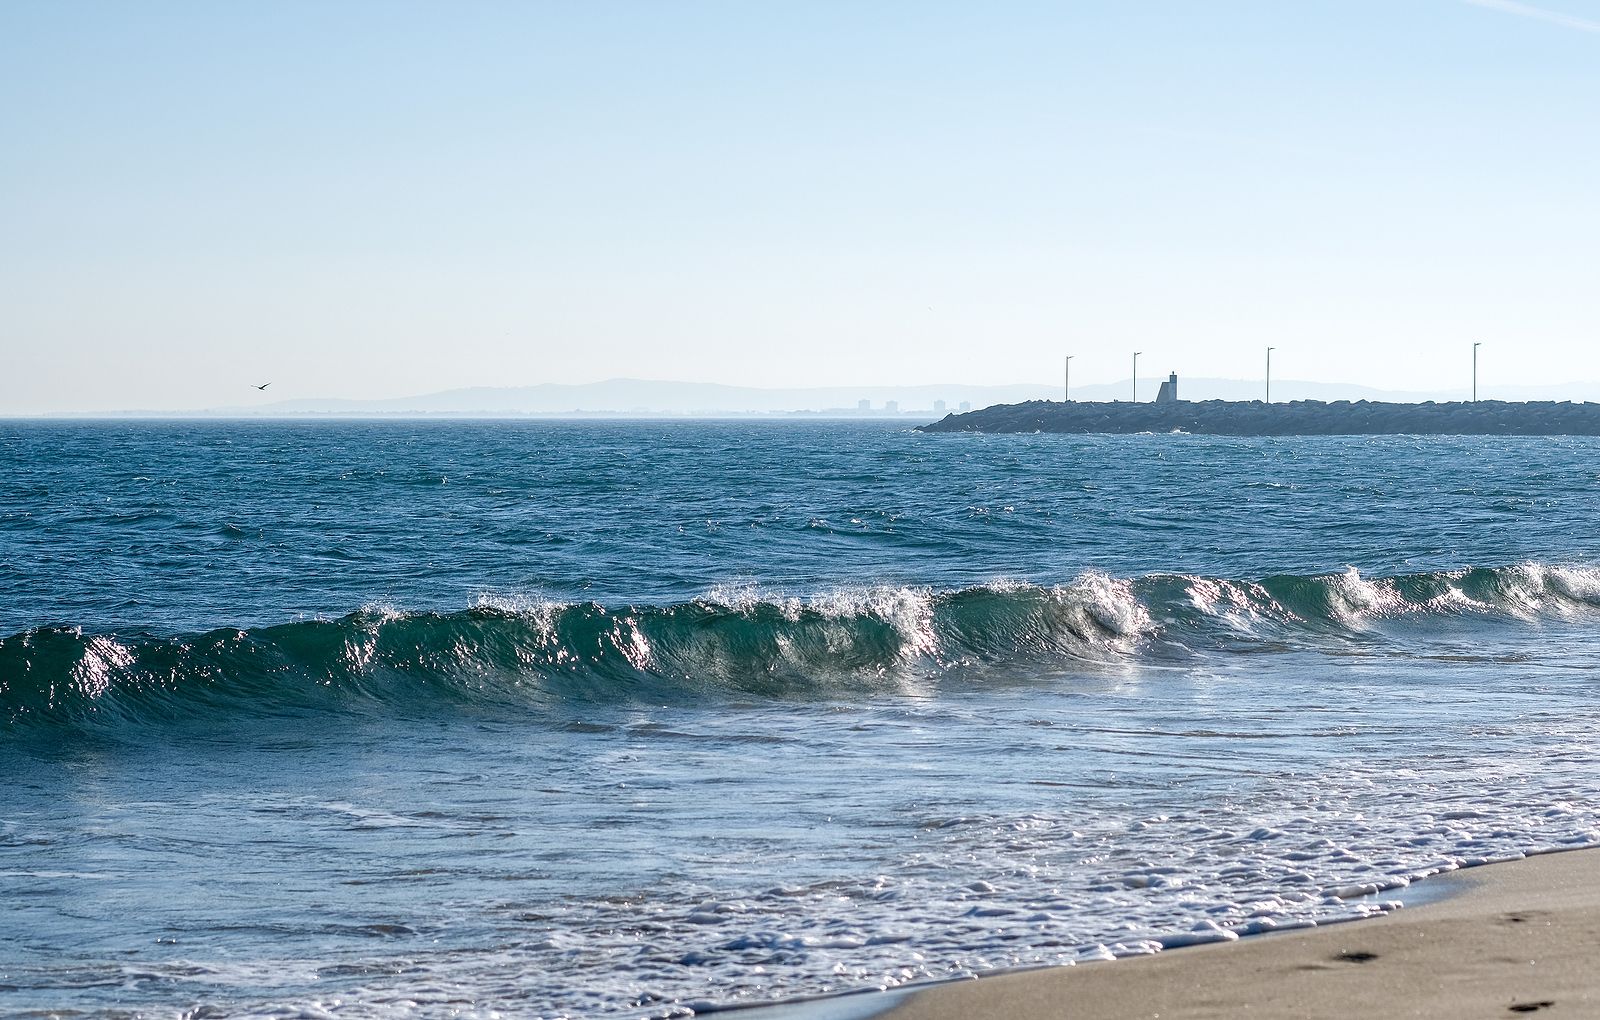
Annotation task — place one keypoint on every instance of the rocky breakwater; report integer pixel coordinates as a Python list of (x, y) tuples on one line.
[(1291, 418)]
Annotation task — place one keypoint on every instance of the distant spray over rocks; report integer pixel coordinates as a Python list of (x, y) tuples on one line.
[(1293, 418)]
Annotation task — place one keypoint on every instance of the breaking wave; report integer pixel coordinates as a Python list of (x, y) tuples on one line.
[(729, 641)]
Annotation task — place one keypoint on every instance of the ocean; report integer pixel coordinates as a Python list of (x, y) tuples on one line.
[(650, 718)]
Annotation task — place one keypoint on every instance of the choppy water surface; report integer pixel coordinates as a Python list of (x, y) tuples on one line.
[(587, 719)]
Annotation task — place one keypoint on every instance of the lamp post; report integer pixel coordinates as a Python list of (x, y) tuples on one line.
[(1475, 371), (1269, 373), (1066, 383), (1136, 375)]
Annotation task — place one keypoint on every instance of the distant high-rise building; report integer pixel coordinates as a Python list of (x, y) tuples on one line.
[(863, 405), (938, 407), (965, 406), (892, 406)]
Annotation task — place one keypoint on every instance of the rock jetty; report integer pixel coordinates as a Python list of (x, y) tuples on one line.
[(1289, 418)]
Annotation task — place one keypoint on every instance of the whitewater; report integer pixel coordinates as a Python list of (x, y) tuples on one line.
[(566, 719)]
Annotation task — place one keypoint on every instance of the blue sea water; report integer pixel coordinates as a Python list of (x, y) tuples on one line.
[(562, 719)]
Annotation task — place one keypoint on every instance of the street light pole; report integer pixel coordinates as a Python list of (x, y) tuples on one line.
[(1066, 384), (1136, 375), (1269, 373), (1475, 371)]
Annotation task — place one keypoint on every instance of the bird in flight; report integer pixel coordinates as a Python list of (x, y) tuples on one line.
[(263, 386)]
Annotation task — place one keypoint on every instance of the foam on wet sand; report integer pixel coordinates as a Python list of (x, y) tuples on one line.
[(1519, 939)]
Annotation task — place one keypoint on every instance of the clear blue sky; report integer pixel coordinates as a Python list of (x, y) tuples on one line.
[(375, 199)]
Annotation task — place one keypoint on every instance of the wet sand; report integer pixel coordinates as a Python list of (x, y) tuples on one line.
[(1519, 939)]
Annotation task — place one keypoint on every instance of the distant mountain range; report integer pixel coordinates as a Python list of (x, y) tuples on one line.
[(649, 398)]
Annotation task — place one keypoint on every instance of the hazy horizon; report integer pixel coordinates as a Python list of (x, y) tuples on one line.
[(369, 199), (624, 397)]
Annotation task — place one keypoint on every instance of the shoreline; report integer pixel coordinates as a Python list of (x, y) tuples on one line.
[(1507, 939), (1516, 938)]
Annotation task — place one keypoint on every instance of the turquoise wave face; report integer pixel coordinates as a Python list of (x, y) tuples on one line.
[(739, 642)]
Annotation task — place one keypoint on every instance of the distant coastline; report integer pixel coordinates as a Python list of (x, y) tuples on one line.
[(647, 398), (1292, 418)]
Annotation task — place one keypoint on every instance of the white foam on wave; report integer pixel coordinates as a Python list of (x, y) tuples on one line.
[(910, 611), (744, 597), (1353, 599), (1108, 603), (1531, 589), (1094, 613), (1578, 583), (1527, 591), (1095, 610), (1240, 606)]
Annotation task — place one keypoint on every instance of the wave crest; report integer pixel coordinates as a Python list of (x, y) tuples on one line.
[(732, 640)]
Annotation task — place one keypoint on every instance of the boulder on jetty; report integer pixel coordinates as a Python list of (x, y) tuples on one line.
[(1289, 418)]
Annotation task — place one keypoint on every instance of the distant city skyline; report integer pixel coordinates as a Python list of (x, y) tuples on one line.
[(368, 199)]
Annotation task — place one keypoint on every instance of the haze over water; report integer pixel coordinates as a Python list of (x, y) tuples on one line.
[(588, 719)]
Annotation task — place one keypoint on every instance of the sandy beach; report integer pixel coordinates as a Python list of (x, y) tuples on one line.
[(1518, 939)]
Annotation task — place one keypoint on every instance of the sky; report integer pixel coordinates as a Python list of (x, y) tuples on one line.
[(361, 200)]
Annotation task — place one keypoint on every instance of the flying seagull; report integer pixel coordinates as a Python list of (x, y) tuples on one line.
[(263, 386)]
